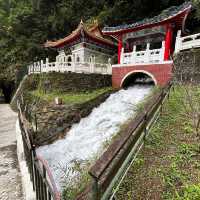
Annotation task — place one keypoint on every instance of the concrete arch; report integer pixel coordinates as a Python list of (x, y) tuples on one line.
[(138, 71)]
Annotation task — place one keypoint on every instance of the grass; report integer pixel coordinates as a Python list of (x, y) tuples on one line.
[(69, 98), (168, 166), (79, 183)]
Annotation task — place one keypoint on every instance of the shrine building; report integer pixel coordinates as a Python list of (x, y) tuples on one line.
[(145, 47), (85, 50), (144, 51)]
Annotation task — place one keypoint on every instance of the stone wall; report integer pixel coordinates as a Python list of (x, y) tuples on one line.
[(53, 121), (63, 82), (69, 82), (187, 66)]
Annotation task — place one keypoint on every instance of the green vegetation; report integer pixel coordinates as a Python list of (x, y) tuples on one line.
[(168, 166), (26, 24), (69, 98), (79, 183)]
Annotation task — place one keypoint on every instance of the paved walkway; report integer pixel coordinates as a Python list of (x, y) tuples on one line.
[(10, 180)]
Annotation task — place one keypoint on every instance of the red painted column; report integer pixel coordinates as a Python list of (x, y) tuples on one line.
[(168, 42), (119, 49)]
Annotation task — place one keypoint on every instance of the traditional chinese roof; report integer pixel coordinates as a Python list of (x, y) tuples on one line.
[(93, 33), (176, 14)]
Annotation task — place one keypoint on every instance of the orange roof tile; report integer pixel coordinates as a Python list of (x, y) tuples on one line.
[(94, 33)]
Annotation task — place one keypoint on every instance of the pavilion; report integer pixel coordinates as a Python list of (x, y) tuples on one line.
[(146, 46)]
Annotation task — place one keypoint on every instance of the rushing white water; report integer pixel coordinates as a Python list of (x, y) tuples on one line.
[(86, 140)]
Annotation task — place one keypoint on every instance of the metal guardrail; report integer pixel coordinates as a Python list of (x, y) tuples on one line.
[(40, 174), (111, 166)]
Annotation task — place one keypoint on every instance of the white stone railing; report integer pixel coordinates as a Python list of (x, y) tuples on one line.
[(78, 67), (147, 56), (188, 42)]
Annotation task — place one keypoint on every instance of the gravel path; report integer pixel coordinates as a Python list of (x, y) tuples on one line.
[(10, 180)]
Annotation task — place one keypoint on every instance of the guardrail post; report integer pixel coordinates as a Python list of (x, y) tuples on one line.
[(44, 186), (36, 125), (145, 128), (95, 188)]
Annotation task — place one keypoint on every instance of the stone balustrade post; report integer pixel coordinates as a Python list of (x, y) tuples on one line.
[(47, 64), (42, 65), (133, 55), (163, 51), (38, 66), (34, 67), (122, 56), (73, 64), (92, 66), (147, 53), (109, 66), (178, 42)]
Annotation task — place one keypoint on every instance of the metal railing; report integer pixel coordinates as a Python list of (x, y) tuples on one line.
[(40, 174), (111, 166)]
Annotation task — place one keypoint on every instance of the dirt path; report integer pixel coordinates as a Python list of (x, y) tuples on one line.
[(10, 180)]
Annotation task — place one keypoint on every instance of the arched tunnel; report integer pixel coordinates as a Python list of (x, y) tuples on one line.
[(6, 90), (136, 78)]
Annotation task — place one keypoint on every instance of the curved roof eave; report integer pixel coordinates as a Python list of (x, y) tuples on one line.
[(128, 28)]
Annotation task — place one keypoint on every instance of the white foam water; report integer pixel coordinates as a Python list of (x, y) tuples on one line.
[(86, 139)]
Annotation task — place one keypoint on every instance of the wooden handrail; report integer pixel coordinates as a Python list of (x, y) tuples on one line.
[(106, 159)]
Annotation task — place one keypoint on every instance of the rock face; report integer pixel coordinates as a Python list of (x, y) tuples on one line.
[(187, 66)]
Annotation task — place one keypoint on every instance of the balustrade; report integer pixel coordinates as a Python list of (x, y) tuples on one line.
[(78, 67), (188, 42), (146, 56)]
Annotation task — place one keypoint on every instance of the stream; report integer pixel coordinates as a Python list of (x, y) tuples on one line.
[(88, 139)]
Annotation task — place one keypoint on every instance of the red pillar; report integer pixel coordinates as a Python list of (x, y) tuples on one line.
[(119, 49), (168, 42)]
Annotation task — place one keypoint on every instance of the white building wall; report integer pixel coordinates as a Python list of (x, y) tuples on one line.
[(89, 55), (82, 54)]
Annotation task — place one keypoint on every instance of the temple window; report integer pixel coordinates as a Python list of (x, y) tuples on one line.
[(141, 47), (92, 59), (156, 45), (77, 59), (69, 60)]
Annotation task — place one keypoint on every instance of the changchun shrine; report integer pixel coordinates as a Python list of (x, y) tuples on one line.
[(85, 46), (144, 49)]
